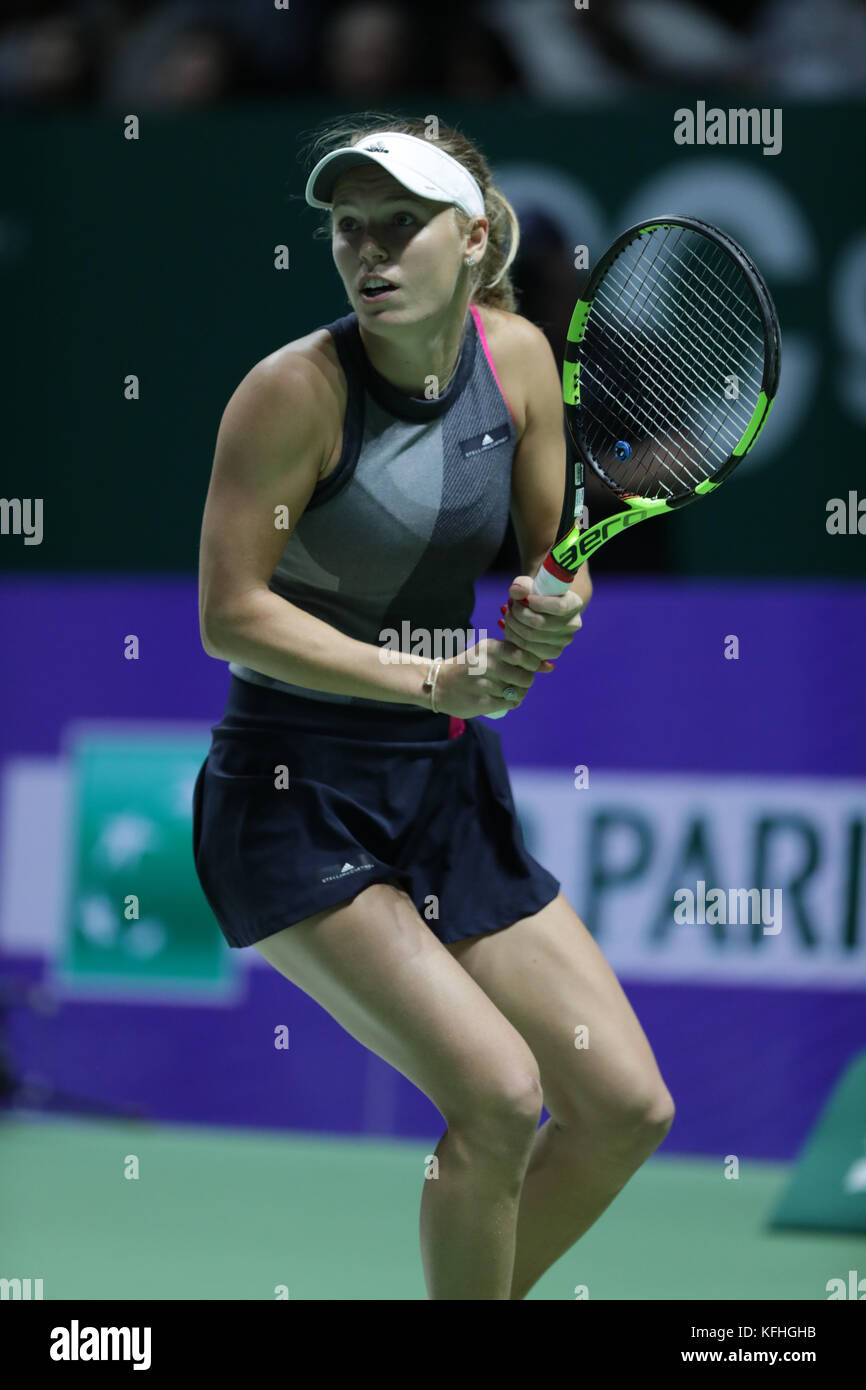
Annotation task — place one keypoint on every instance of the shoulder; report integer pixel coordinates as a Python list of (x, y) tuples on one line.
[(299, 389), (311, 362), (523, 359)]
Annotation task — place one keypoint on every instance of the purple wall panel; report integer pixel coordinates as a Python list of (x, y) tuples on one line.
[(646, 687), (645, 680), (749, 1069), (647, 684)]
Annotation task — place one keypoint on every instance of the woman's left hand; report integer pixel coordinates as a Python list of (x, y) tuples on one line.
[(545, 625)]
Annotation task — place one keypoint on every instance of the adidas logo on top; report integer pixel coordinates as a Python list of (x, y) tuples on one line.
[(497, 434)]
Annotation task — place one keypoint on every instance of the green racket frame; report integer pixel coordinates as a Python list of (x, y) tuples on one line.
[(575, 544)]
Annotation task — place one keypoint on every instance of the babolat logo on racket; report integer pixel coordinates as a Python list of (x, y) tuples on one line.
[(488, 440)]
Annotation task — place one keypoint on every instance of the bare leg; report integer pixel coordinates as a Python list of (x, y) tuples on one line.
[(376, 967), (609, 1104), (572, 1178), (469, 1213)]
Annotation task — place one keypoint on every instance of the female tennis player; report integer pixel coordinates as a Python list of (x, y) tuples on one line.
[(353, 820)]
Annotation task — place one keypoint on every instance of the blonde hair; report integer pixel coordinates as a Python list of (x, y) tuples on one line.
[(490, 280)]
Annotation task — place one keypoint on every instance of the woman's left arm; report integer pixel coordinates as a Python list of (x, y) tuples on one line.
[(545, 624)]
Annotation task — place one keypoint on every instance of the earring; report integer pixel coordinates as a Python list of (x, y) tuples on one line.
[(471, 261)]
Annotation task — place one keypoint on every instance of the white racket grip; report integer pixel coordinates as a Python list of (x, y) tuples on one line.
[(543, 583), (547, 583)]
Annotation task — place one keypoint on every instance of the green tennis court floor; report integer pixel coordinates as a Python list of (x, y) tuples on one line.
[(228, 1214)]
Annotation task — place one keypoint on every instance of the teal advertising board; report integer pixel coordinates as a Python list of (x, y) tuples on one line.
[(136, 920)]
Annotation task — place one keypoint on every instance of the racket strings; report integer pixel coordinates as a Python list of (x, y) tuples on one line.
[(617, 389), (656, 429), (725, 318), (652, 418), (649, 378), (729, 342), (734, 345), (751, 373), (662, 303), (641, 412), (655, 356), (693, 278), (680, 384), (729, 286), (683, 385)]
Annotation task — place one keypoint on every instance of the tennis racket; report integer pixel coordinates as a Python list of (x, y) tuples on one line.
[(671, 369)]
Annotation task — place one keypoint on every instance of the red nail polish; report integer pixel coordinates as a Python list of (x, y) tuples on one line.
[(504, 609), (501, 623)]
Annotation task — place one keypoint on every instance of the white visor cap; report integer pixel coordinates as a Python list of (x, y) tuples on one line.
[(416, 163)]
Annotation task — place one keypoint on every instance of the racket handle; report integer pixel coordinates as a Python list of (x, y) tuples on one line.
[(543, 583), (547, 583)]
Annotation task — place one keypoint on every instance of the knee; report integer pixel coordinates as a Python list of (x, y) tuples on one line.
[(507, 1111), (516, 1105), (640, 1119), (650, 1117)]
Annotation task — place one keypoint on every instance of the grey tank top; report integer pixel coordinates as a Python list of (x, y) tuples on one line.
[(393, 540)]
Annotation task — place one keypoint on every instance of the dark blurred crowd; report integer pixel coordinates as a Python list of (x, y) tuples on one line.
[(131, 54)]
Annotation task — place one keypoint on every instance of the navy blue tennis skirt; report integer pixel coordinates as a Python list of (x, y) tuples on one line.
[(408, 797)]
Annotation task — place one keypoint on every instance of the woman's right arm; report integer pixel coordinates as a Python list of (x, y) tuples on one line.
[(275, 435)]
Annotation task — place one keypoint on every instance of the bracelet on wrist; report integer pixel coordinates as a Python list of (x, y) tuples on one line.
[(429, 685)]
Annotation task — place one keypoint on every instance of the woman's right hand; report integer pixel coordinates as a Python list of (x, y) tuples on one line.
[(472, 682)]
